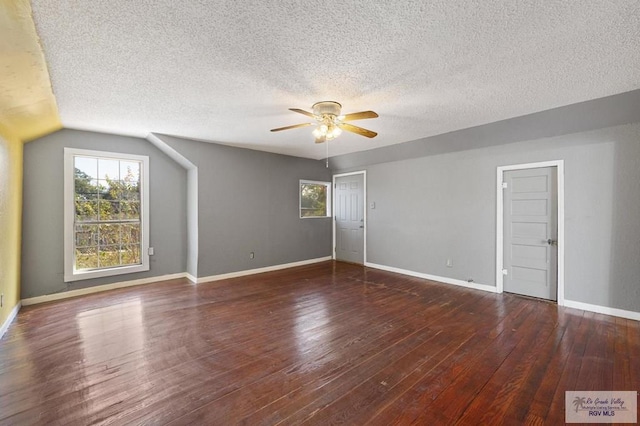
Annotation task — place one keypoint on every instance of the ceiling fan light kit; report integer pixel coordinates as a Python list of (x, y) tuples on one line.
[(330, 123)]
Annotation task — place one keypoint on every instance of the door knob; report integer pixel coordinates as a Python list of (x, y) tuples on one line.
[(552, 242)]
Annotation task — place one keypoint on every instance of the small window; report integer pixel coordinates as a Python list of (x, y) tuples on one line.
[(106, 223), (315, 199)]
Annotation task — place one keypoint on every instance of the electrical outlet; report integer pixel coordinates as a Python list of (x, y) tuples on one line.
[(449, 263), (252, 255)]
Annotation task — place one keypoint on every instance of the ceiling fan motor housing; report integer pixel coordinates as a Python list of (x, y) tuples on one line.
[(326, 108)]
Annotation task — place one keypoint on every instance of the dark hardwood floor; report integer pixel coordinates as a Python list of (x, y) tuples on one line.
[(322, 344)]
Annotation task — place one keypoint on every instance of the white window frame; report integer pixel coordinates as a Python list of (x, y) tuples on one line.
[(328, 206), (70, 273)]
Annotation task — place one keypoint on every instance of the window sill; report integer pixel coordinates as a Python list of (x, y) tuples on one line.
[(121, 270)]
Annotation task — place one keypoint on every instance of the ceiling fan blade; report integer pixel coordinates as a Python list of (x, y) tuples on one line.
[(358, 130), (303, 112), (360, 115), (295, 126)]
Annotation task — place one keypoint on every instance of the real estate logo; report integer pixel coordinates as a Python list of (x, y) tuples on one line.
[(601, 407)]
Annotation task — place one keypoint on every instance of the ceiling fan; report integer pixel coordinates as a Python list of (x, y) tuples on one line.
[(330, 123)]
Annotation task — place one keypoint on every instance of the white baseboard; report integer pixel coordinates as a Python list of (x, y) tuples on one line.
[(461, 283), (10, 319), (99, 288), (603, 310), (261, 270), (113, 286)]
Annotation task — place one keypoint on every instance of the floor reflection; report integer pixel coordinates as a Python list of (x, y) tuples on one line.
[(111, 338), (311, 327)]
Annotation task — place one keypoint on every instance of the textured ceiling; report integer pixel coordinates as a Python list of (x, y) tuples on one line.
[(226, 71), (27, 105)]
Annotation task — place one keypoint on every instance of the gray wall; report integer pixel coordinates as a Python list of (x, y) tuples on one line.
[(443, 206), (42, 235), (248, 202), (609, 111)]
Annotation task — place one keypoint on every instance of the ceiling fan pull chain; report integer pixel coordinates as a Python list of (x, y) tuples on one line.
[(327, 160)]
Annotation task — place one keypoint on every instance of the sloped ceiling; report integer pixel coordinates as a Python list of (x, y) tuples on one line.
[(27, 105), (226, 71)]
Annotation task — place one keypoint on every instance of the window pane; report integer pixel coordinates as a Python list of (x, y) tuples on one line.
[(130, 210), (131, 192), (84, 184), (86, 235), (109, 234), (130, 171), (108, 169), (109, 256), (109, 210), (86, 258), (86, 211), (130, 255), (130, 233), (313, 200), (87, 167), (110, 189)]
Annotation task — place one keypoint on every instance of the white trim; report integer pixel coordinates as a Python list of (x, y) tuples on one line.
[(70, 273), (559, 164), (365, 209), (10, 318), (261, 270), (172, 153), (191, 278), (603, 310), (192, 199), (99, 289), (461, 283)]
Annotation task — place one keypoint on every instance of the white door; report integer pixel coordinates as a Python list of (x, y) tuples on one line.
[(531, 232), (349, 218)]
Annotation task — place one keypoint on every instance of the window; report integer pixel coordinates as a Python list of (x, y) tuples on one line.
[(315, 199), (106, 217)]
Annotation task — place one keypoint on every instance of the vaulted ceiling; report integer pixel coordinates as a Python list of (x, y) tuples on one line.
[(227, 71)]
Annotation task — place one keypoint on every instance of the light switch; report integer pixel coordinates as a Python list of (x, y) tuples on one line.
[(372, 205)]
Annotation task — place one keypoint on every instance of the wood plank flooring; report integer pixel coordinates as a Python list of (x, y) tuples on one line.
[(330, 343)]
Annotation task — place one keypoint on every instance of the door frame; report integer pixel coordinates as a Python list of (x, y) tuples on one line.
[(364, 209), (559, 164)]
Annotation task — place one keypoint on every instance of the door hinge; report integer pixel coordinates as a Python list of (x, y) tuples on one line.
[(505, 272), (505, 185)]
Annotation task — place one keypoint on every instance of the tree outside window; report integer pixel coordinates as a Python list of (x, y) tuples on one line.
[(315, 199)]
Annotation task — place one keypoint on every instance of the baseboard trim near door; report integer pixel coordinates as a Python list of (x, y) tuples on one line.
[(260, 270), (99, 288), (10, 318), (602, 310), (460, 283)]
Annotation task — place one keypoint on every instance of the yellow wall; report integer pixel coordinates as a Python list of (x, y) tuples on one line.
[(27, 106), (28, 110), (10, 220)]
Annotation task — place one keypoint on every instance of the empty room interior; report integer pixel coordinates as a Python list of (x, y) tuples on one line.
[(319, 212)]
